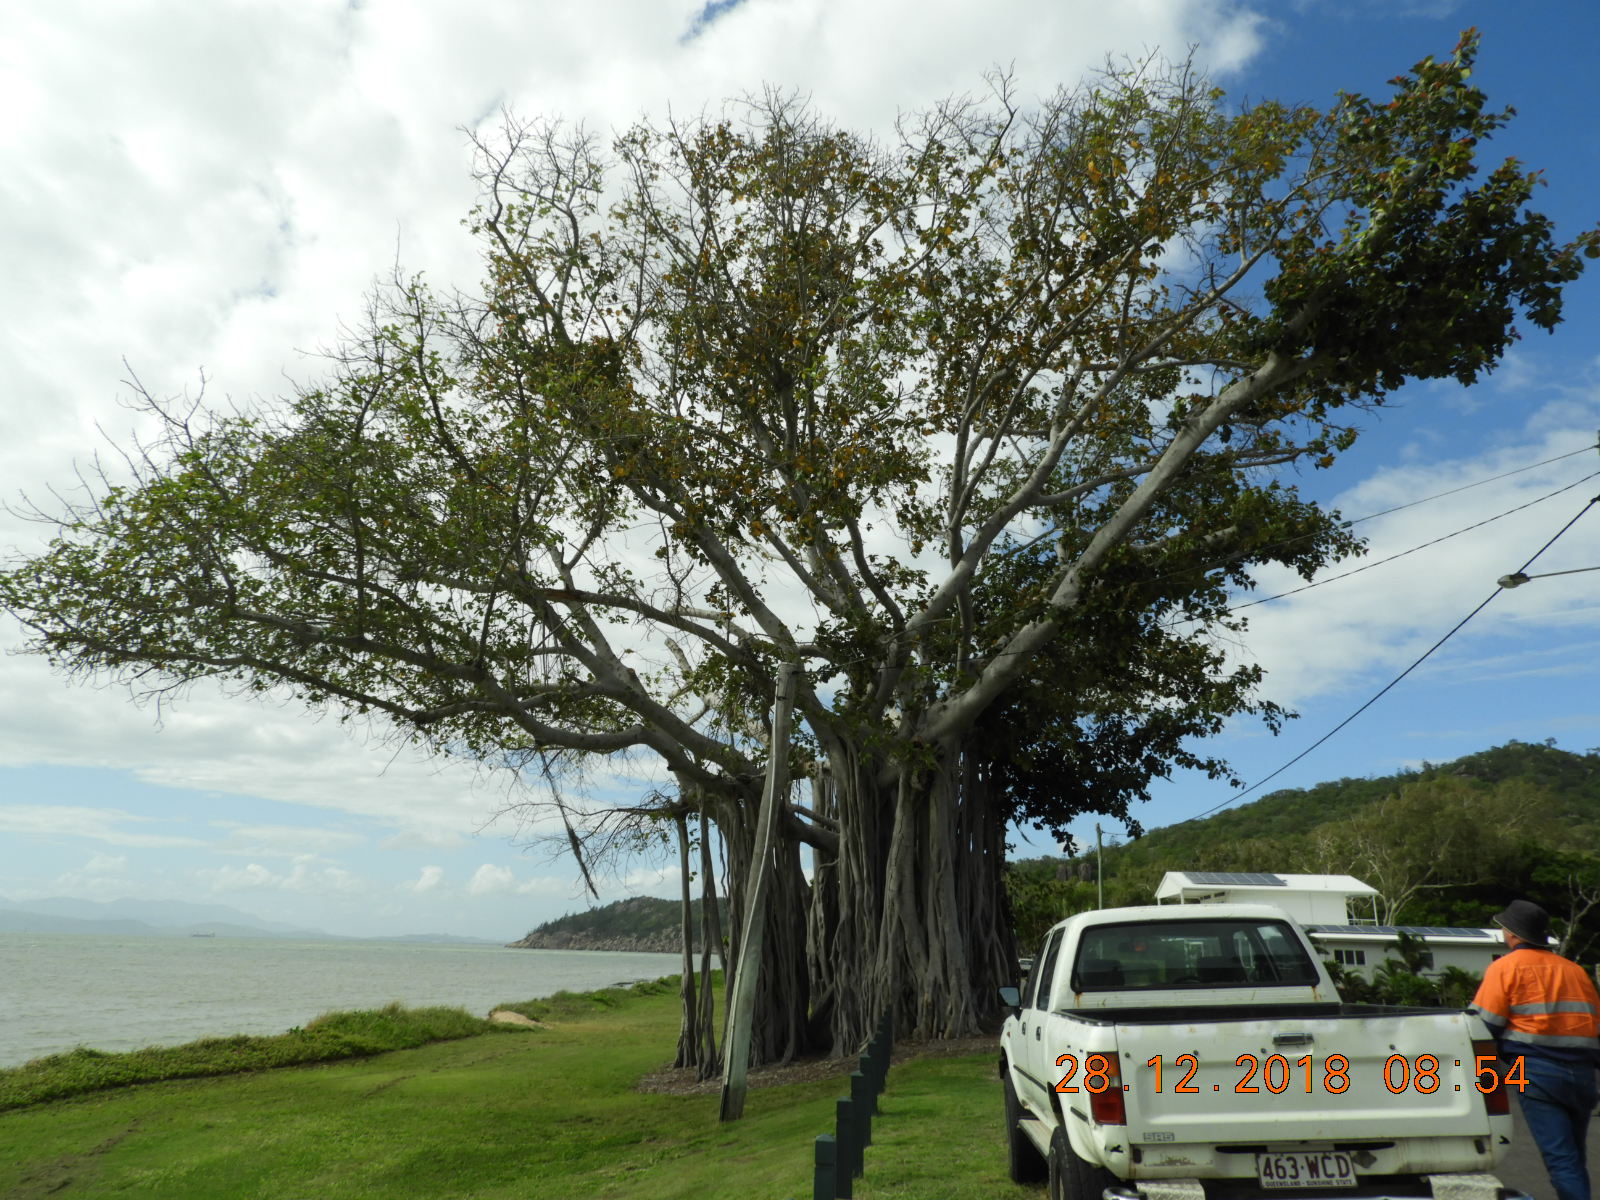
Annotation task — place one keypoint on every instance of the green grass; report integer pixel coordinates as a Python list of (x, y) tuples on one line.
[(938, 1135), (551, 1113)]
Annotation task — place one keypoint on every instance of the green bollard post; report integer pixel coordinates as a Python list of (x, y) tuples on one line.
[(869, 1068), (825, 1178), (861, 1102), (844, 1126)]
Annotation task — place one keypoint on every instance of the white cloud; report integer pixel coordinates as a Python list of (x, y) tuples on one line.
[(652, 881), (428, 881), (103, 875), (303, 877), (211, 742), (286, 841), (98, 824), (423, 840), (240, 879), (490, 878)]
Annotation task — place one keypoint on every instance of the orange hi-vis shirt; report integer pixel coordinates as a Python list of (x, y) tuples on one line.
[(1536, 1000)]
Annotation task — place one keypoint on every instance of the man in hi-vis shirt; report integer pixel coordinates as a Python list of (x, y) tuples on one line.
[(1544, 1009)]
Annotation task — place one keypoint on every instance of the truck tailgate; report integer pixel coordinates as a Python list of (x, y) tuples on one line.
[(1271, 1080)]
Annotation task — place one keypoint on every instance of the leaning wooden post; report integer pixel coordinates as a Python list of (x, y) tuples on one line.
[(689, 1033), (741, 1012)]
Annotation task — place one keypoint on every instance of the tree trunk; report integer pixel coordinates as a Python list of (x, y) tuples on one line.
[(910, 915), (688, 1030), (710, 1058)]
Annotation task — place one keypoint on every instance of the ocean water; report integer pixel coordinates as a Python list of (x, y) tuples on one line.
[(58, 991)]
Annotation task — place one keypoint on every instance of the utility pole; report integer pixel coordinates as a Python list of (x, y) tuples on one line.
[(1099, 868), (736, 1059)]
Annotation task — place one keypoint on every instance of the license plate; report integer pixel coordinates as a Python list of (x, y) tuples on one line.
[(1306, 1170)]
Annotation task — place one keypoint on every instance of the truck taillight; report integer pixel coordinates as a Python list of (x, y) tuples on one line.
[(1107, 1107), (1495, 1101)]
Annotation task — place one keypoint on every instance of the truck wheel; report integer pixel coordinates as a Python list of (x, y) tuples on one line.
[(1023, 1160), (1070, 1177)]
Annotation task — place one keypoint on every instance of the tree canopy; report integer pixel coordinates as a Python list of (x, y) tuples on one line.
[(980, 425)]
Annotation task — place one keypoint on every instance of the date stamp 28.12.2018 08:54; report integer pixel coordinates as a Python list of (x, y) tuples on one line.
[(1278, 1074)]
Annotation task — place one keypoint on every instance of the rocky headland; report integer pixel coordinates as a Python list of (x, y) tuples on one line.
[(651, 943)]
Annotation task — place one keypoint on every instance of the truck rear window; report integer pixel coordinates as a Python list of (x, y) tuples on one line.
[(1161, 955)]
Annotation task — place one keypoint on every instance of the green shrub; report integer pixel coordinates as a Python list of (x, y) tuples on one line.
[(329, 1037)]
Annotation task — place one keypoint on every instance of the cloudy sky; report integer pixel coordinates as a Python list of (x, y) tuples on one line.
[(208, 190)]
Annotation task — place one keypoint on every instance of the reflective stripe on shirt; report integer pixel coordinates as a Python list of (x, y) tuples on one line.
[(1560, 1006), (1552, 1039), (1493, 1019)]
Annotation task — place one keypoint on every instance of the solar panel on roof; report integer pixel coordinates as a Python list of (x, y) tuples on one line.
[(1443, 931), (1416, 930), (1237, 878)]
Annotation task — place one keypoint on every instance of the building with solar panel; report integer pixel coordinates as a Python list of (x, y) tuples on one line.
[(1331, 909)]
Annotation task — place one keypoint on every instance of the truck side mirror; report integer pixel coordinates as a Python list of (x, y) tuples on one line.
[(1011, 998)]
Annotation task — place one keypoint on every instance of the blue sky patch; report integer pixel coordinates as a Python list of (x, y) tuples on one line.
[(712, 10)]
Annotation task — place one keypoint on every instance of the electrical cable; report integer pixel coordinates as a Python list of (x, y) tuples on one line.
[(1391, 684), (1394, 557), (1467, 487), (1354, 521)]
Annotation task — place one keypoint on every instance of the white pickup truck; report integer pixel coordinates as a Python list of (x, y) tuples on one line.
[(1184, 1051)]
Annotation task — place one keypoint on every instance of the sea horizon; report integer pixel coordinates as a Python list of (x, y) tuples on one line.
[(116, 992)]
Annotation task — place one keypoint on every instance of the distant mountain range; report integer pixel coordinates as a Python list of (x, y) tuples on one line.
[(166, 918)]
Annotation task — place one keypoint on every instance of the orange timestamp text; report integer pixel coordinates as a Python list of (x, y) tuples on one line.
[(1278, 1074)]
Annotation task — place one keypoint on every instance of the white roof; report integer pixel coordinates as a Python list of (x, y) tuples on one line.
[(1188, 883)]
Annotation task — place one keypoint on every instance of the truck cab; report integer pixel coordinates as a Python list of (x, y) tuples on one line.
[(1203, 1049)]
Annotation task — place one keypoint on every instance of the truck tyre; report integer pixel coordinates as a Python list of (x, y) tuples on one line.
[(1070, 1177), (1023, 1160)]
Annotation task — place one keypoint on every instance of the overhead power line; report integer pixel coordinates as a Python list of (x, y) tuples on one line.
[(1423, 546), (1354, 521), (1467, 487), (1522, 570)]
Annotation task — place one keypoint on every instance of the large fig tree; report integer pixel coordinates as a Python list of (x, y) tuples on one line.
[(980, 425)]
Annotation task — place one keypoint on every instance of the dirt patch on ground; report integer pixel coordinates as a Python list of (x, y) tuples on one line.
[(504, 1016), (682, 1081)]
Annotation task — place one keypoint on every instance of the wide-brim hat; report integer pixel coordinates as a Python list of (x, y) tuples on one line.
[(1527, 920)]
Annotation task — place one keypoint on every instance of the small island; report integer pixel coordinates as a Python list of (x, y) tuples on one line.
[(642, 924)]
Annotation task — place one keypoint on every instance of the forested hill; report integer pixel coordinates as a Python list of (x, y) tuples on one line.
[(639, 923), (1448, 843), (1571, 782)]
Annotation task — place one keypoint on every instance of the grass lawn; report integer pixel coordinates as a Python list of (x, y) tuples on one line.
[(549, 1112)]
